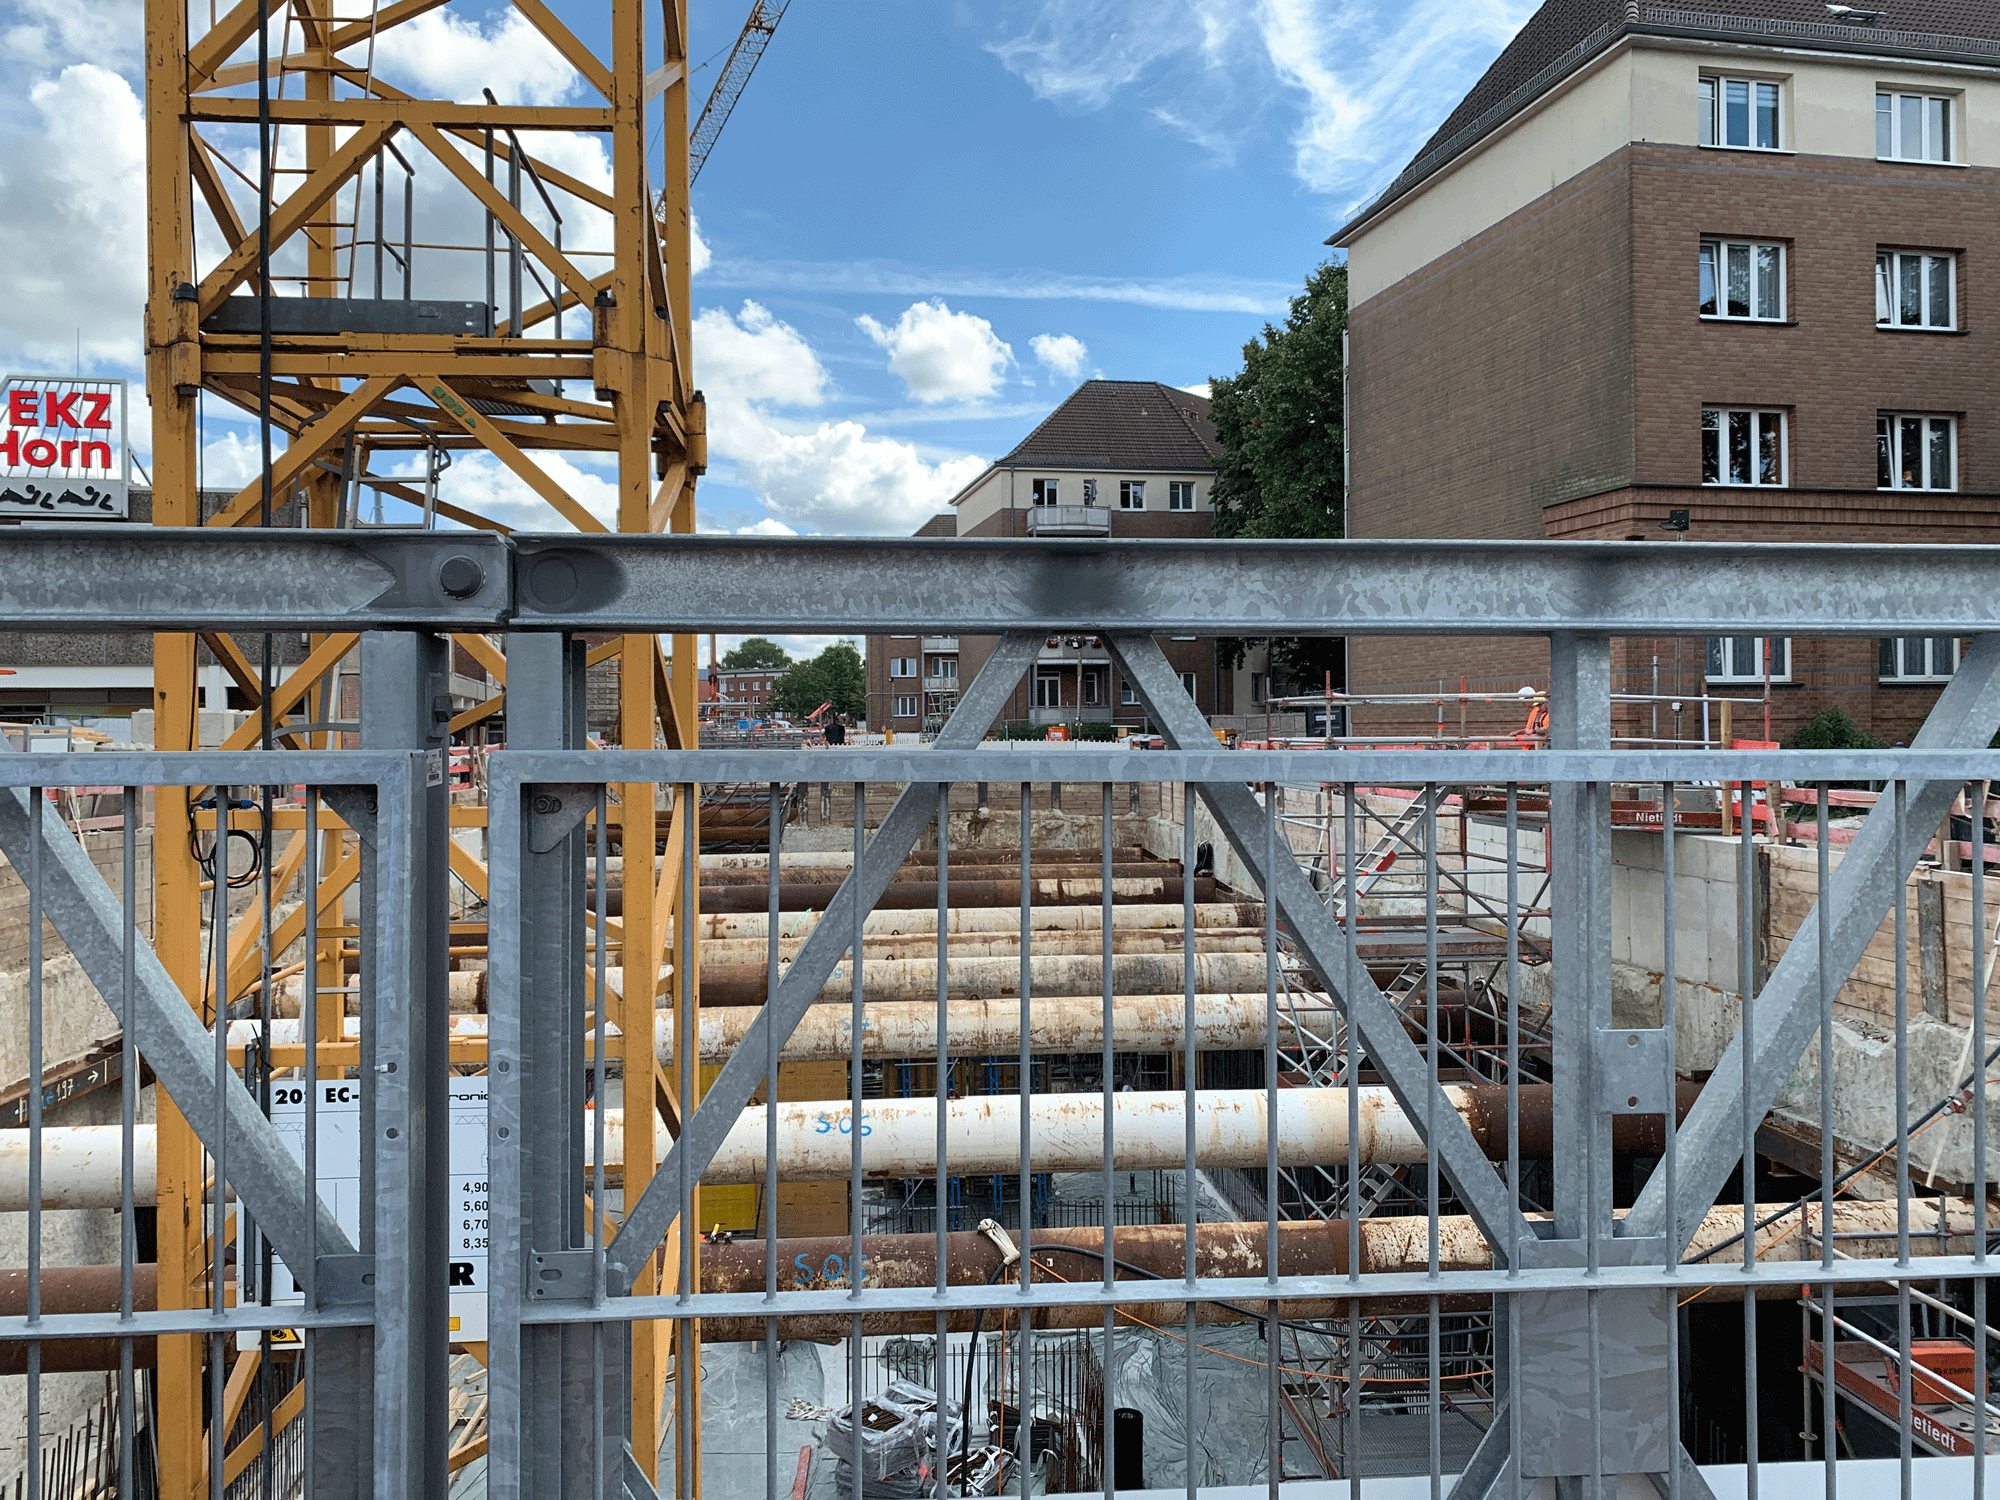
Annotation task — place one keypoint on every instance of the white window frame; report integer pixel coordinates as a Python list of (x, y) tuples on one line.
[(1716, 264), (1188, 683), (1936, 270), (1048, 687), (1128, 693), (1934, 118), (903, 706), (944, 667), (902, 666), (1046, 491), (1890, 436), (1740, 658), (1712, 112), (1093, 688), (1180, 494), (1131, 494), (1090, 492), (1897, 654), (1724, 425)]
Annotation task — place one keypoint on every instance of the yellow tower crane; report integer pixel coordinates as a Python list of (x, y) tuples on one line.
[(388, 282)]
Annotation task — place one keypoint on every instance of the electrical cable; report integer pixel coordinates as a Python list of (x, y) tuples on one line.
[(1855, 1171)]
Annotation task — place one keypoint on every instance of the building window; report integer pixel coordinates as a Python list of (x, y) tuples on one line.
[(1915, 453), (1742, 447), (1128, 694), (1918, 658), (1048, 690), (1131, 494), (1187, 683), (1180, 495), (1045, 491), (1093, 691), (1740, 658), (1256, 687), (902, 666), (1915, 290), (1912, 127), (1741, 280), (903, 706), (1739, 112), (945, 668), (1089, 492)]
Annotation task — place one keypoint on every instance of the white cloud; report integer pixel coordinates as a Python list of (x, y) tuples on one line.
[(1365, 83), (480, 482), (942, 355), (45, 33), (72, 223), (441, 53), (825, 477), (840, 478), (1063, 353), (754, 357), (700, 258)]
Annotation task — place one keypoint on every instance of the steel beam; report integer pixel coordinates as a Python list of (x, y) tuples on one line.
[(408, 1133), (1859, 894), (960, 585), (536, 1119), (1241, 819), (71, 578), (708, 1126)]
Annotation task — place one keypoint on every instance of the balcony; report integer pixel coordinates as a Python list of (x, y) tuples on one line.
[(1069, 520), (940, 643), (1090, 713), (940, 684)]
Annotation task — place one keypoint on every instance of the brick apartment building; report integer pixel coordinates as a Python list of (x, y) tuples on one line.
[(1726, 258), (1119, 458), (745, 692)]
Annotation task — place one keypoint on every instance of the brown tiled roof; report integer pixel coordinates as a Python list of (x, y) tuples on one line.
[(1565, 34), (1123, 424)]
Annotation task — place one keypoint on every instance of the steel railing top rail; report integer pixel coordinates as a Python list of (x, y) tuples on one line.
[(73, 578), (1012, 762)]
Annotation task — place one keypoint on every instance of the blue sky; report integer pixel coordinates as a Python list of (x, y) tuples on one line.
[(926, 221)]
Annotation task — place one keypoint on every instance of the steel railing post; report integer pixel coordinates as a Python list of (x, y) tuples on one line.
[(405, 1118)]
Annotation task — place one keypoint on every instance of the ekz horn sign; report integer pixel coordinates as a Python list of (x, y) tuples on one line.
[(62, 450)]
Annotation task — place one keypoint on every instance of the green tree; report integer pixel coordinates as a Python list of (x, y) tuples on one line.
[(754, 654), (1279, 423), (835, 675), (1832, 729)]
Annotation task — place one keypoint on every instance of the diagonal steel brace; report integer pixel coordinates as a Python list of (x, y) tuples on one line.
[(1787, 1013), (723, 1103), (1401, 1065), (169, 1035)]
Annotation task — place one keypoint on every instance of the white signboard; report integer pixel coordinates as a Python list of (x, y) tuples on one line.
[(339, 1165), (62, 450)]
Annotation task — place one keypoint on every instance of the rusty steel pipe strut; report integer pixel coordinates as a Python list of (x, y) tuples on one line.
[(910, 922), (1150, 890), (1051, 869), (1062, 1024), (915, 979), (1306, 1248), (726, 953)]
